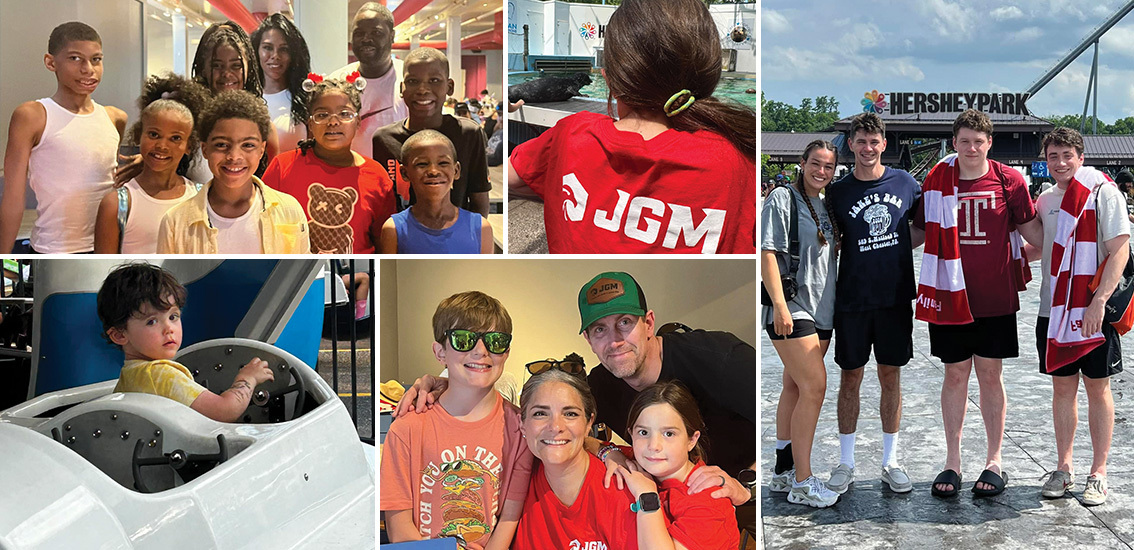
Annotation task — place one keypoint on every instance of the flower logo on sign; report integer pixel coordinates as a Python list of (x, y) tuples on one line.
[(874, 102), (588, 30)]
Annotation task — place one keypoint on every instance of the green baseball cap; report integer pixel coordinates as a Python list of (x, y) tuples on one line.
[(610, 293)]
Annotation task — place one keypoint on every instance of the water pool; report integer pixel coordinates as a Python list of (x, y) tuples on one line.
[(729, 87)]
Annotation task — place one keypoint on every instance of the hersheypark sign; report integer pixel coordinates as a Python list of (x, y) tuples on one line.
[(911, 103)]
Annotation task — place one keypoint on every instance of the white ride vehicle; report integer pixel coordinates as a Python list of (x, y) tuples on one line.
[(90, 468)]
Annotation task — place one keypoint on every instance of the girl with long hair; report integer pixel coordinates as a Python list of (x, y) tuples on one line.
[(675, 173), (800, 329)]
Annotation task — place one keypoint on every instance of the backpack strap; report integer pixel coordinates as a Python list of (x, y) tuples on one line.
[(123, 213)]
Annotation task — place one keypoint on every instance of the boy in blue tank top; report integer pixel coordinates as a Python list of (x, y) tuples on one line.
[(433, 225), (63, 147)]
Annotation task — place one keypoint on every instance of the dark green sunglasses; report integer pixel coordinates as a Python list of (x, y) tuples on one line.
[(465, 340)]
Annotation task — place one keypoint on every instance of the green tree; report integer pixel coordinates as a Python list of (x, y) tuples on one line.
[(812, 115)]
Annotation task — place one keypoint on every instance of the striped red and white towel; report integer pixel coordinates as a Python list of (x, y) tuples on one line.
[(1074, 260), (941, 295)]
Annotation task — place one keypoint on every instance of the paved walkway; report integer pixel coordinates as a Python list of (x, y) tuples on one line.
[(868, 516)]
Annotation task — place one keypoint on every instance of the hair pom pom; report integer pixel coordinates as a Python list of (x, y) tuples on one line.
[(312, 79), (357, 80)]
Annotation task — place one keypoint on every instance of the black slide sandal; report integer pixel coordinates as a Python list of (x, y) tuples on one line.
[(948, 477), (998, 483)]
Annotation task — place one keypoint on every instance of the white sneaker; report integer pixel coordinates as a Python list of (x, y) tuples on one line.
[(781, 483), (1096, 491), (896, 478), (841, 478), (812, 492)]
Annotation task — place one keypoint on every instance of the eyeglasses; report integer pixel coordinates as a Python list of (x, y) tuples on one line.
[(323, 117), (465, 340), (569, 367)]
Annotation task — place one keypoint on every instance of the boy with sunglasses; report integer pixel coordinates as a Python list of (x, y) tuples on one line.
[(460, 467)]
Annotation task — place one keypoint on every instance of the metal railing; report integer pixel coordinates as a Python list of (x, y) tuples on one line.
[(340, 322)]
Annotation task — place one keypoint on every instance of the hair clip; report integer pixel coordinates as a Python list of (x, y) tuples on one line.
[(357, 80), (168, 95), (312, 79)]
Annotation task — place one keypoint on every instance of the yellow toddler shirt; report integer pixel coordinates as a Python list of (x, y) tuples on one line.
[(161, 377)]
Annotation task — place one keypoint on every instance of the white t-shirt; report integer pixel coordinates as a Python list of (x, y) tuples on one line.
[(141, 232), (1112, 221), (382, 105), (239, 235), (290, 133)]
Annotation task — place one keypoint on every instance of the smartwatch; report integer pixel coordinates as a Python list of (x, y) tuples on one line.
[(748, 478), (647, 502)]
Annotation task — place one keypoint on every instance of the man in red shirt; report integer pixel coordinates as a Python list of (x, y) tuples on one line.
[(992, 201)]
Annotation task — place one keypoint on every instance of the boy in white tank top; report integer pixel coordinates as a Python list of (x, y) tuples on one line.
[(63, 147)]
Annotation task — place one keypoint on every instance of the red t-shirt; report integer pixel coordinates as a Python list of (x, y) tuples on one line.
[(599, 519), (983, 226), (699, 521), (609, 191), (341, 204)]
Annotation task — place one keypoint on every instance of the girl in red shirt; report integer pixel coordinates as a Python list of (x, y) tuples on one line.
[(665, 429), (346, 196), (675, 173)]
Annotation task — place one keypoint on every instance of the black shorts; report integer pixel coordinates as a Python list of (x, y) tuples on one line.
[(888, 331), (989, 337), (799, 329), (1102, 362)]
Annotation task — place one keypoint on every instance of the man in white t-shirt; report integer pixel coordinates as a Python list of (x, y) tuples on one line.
[(371, 37), (1063, 150)]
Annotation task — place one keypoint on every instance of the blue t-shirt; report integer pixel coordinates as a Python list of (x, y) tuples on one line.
[(876, 264), (463, 237)]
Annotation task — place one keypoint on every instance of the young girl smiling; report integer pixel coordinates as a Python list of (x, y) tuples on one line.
[(128, 217), (666, 430), (346, 196)]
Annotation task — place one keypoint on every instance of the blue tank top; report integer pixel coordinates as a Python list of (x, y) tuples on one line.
[(463, 237)]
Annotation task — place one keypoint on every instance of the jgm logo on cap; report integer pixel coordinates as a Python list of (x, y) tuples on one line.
[(604, 290)]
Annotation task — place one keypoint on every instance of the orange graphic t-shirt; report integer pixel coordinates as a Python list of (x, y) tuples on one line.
[(455, 475)]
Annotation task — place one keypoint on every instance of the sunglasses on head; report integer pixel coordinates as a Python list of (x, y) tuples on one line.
[(570, 367), (672, 327), (465, 340)]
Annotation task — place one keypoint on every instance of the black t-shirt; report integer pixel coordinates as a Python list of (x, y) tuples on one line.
[(467, 138), (876, 263), (720, 371)]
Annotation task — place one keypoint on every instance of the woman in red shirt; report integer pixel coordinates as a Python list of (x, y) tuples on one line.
[(675, 173), (567, 505)]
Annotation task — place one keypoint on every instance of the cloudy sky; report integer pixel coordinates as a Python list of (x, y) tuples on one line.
[(843, 49)]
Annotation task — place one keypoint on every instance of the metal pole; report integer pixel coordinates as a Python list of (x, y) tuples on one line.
[(525, 46), (334, 326), (1087, 100), (373, 349), (1095, 112), (353, 350)]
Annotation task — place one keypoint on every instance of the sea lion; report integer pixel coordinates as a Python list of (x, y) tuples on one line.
[(548, 89)]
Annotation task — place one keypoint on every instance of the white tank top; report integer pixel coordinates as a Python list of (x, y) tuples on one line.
[(140, 236), (70, 170), (279, 109)]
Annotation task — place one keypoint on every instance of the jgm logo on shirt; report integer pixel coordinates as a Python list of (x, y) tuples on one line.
[(708, 233), (591, 545)]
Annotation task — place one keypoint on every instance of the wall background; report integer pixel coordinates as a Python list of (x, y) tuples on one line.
[(541, 296)]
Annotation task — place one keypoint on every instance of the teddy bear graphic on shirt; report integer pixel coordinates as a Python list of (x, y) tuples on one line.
[(330, 211)]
